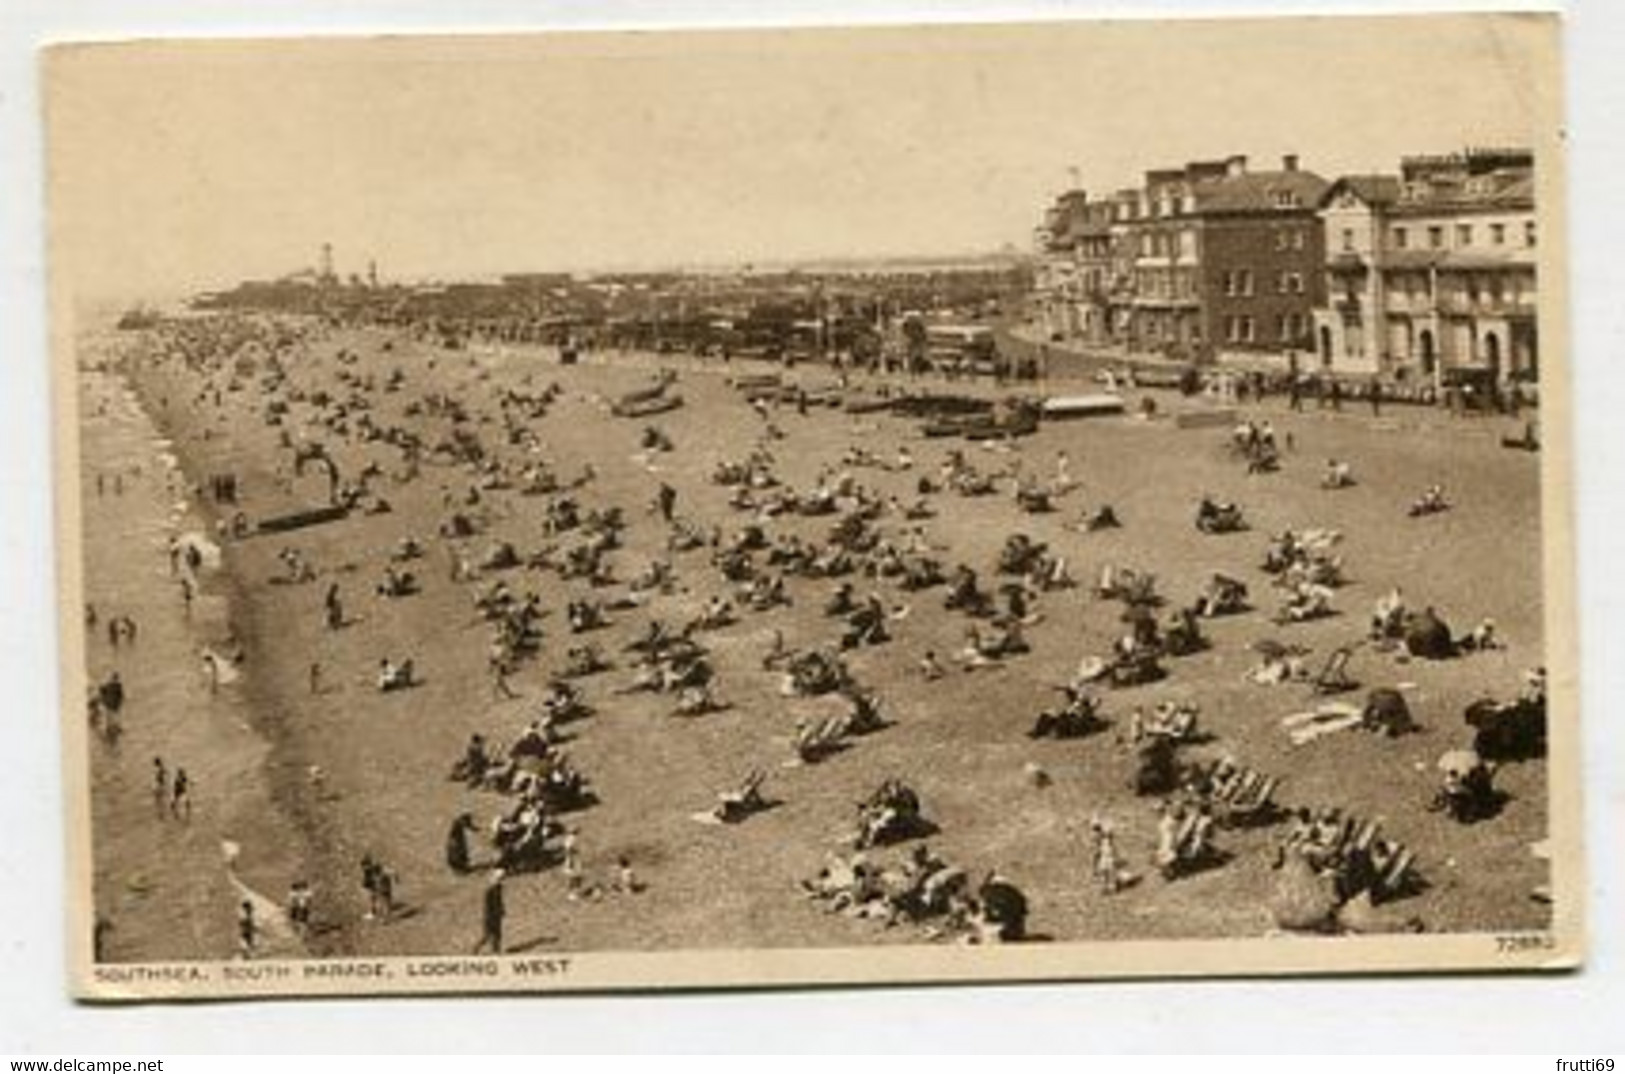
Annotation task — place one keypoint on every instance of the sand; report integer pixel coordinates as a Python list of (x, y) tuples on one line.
[(959, 741)]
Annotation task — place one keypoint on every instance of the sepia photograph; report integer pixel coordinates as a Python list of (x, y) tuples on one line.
[(729, 508)]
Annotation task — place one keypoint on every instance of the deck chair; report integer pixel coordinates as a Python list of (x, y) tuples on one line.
[(736, 805), (1333, 677), (1252, 800), (1394, 877)]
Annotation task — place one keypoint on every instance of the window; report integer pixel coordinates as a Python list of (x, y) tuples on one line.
[(1238, 329), (1464, 234), (1348, 239), (1400, 238), (1246, 282), (1498, 234), (1281, 328), (1281, 282), (1297, 283), (1529, 233), (1436, 237), (1297, 240)]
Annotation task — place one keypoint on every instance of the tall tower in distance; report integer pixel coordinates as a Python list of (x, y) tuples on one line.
[(372, 274), (327, 262)]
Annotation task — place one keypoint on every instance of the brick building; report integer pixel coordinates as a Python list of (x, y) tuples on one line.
[(1205, 261), (1262, 248)]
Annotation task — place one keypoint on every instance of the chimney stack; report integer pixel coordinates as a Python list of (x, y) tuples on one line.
[(1234, 166), (1289, 163)]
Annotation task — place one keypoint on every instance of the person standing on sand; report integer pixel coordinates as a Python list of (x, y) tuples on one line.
[(386, 891), (500, 689), (458, 859), (495, 909), (299, 899), (247, 930), (98, 937), (180, 799), (315, 677), (334, 606), (573, 883), (379, 883), (369, 884), (160, 785)]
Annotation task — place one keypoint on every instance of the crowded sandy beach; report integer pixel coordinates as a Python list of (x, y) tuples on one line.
[(479, 645)]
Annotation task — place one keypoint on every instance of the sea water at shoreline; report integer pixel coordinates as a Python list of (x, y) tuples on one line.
[(160, 880)]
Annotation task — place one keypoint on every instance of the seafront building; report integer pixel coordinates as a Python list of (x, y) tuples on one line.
[(1431, 273), (1424, 277), (1209, 261)]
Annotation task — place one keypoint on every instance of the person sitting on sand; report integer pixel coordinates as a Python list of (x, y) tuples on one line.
[(1388, 616), (475, 762), (1339, 475), (393, 676), (1483, 638)]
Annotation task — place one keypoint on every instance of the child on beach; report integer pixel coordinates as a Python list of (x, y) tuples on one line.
[(626, 881), (1108, 868)]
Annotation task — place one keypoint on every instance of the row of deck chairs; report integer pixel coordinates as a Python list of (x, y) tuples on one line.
[(1353, 852), (1239, 796)]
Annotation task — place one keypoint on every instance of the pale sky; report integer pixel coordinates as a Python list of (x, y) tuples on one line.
[(181, 166)]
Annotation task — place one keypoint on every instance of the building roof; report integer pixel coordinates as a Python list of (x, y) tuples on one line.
[(1376, 190), (1260, 192), (1507, 190)]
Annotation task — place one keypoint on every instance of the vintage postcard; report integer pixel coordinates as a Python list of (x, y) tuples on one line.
[(739, 508)]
